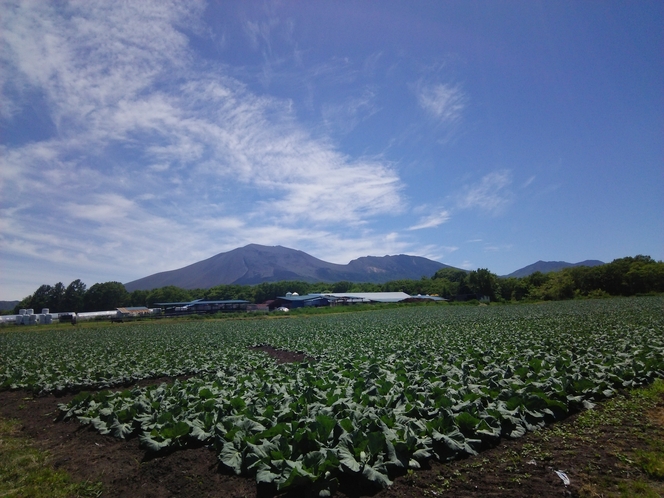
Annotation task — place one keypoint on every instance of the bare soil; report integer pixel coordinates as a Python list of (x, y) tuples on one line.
[(283, 356)]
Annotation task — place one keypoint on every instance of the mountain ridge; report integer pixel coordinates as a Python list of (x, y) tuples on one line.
[(254, 264), (8, 305), (549, 266)]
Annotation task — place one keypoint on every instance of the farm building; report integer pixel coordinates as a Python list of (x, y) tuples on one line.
[(133, 311), (292, 301), (258, 308), (202, 306), (338, 299), (368, 297), (423, 298), (380, 297)]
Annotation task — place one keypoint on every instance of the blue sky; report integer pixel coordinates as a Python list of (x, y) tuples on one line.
[(138, 137)]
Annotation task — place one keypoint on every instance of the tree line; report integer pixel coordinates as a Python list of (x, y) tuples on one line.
[(622, 277)]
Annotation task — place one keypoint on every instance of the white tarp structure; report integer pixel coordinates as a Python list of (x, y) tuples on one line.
[(371, 297)]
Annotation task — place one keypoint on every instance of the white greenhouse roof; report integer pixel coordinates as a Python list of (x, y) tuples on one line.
[(378, 297)]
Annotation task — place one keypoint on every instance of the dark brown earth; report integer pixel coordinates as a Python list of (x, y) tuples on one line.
[(282, 356), (515, 468)]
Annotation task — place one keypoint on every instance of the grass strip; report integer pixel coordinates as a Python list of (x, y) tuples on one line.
[(25, 471), (640, 415)]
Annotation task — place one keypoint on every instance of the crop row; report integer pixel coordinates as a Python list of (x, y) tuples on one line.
[(385, 390)]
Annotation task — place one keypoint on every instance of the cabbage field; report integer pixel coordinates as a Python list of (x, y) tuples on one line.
[(380, 392)]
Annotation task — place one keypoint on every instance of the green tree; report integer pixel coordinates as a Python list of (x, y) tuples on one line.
[(106, 296), (507, 288), (271, 290), (442, 287), (408, 286), (515, 289), (521, 290), (457, 281), (586, 279), (40, 298), (74, 297), (365, 287), (559, 286), (537, 279), (485, 283), (56, 297), (342, 286), (624, 276), (138, 298), (230, 292), (644, 275), (451, 274), (168, 294), (263, 292)]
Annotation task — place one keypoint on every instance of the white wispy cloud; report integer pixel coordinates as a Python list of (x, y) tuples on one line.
[(491, 194), (443, 102), (146, 170), (497, 247), (528, 181), (467, 265), (345, 116), (436, 252), (432, 220)]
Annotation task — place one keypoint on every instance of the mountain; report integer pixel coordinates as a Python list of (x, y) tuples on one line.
[(548, 266), (8, 305), (254, 264)]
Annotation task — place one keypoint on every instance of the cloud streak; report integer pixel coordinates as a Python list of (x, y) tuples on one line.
[(491, 194), (431, 221), (349, 114), (142, 160), (443, 102)]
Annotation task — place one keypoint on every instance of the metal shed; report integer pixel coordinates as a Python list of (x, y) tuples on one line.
[(294, 301)]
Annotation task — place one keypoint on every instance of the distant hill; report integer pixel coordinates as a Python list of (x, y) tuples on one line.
[(254, 264), (549, 266), (8, 305)]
